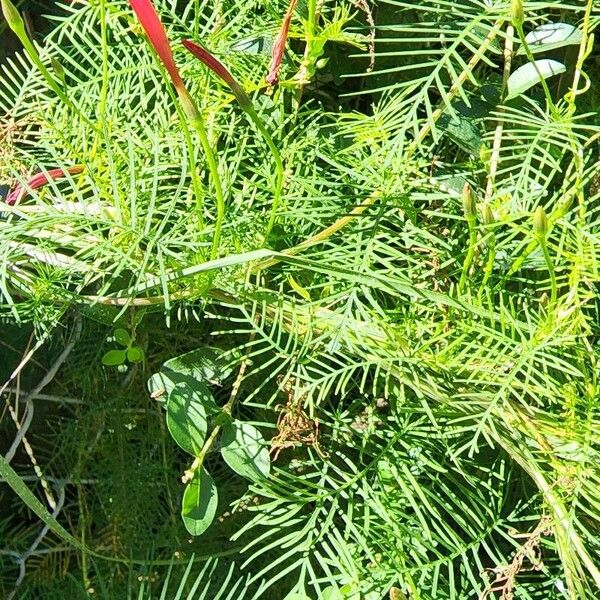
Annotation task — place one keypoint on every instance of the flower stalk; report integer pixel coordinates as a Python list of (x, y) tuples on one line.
[(17, 25), (470, 212), (489, 220), (246, 105), (540, 230), (517, 17), (157, 37)]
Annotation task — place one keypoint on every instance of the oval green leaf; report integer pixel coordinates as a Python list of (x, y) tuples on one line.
[(199, 504), (114, 358), (205, 364), (135, 354), (244, 449), (122, 337), (528, 75), (161, 384), (186, 418), (332, 593), (550, 36)]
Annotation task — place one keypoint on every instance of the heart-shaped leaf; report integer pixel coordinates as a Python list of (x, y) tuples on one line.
[(199, 504), (186, 416), (550, 36), (122, 337), (530, 74), (245, 451), (113, 358)]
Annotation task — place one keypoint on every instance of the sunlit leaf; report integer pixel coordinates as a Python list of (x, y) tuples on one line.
[(186, 416), (245, 451), (550, 36), (199, 503), (528, 75), (135, 354)]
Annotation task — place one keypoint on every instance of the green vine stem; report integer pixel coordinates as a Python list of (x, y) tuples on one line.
[(222, 418)]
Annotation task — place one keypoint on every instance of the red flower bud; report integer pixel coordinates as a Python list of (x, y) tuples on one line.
[(279, 45), (217, 67), (38, 181), (157, 36)]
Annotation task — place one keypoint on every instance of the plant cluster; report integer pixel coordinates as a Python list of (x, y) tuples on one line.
[(333, 264)]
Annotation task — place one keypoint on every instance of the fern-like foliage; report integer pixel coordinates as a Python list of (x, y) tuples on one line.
[(428, 376)]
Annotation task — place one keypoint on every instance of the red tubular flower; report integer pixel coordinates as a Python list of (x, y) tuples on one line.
[(38, 181), (157, 36), (219, 69), (279, 45)]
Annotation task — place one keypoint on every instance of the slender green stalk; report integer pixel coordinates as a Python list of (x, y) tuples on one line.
[(246, 105), (531, 59), (470, 254), (471, 217), (17, 25), (196, 17), (488, 219), (104, 40), (585, 49), (277, 193), (213, 168), (540, 229), (497, 143), (197, 186), (551, 271)]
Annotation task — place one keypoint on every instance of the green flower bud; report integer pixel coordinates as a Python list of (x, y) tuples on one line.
[(517, 15), (540, 222), (58, 68), (12, 16), (488, 215), (468, 199), (188, 105), (485, 153)]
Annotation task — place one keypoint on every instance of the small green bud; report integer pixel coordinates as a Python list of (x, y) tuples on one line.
[(517, 14), (469, 206), (540, 222), (58, 68), (188, 105), (485, 153), (488, 215), (12, 16)]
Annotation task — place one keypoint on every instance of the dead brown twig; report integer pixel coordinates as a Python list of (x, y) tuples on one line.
[(295, 427), (506, 575)]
